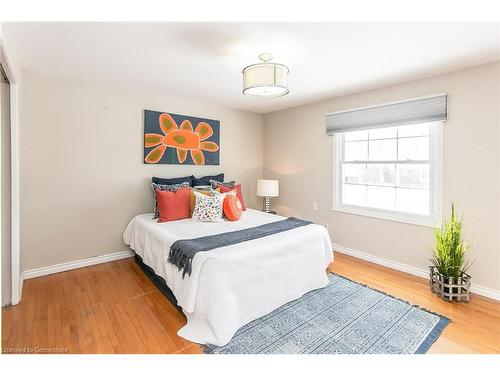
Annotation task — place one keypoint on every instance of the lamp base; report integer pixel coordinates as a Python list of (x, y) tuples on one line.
[(267, 204)]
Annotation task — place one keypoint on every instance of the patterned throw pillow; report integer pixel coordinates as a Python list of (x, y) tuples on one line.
[(215, 184), (208, 208), (192, 198), (160, 187)]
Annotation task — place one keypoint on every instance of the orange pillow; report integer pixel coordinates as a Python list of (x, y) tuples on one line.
[(173, 205), (225, 189), (232, 207)]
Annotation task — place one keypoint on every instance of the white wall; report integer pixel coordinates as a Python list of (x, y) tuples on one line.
[(299, 154), (82, 171)]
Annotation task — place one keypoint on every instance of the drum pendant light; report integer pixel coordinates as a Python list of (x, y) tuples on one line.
[(265, 79)]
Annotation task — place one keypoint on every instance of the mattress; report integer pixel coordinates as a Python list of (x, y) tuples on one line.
[(233, 285)]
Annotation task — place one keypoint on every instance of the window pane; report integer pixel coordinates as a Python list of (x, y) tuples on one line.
[(354, 173), (388, 169), (383, 133), (413, 130), (413, 148), (381, 174), (380, 197), (414, 201), (354, 194), (355, 150), (383, 150), (412, 175), (361, 135)]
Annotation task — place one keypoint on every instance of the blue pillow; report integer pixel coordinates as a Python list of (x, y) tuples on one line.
[(173, 181), (205, 180)]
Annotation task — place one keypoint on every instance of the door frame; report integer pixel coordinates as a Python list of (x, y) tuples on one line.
[(14, 80)]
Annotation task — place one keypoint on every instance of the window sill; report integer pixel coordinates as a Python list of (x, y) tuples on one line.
[(420, 220)]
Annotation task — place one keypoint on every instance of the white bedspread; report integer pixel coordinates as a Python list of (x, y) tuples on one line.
[(233, 285)]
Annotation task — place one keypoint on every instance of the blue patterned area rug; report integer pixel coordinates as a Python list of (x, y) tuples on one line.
[(342, 318)]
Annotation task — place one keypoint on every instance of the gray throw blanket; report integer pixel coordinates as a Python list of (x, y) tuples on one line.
[(182, 252)]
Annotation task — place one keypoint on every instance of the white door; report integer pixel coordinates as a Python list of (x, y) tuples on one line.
[(6, 190)]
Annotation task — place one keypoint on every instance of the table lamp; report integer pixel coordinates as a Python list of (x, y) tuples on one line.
[(267, 189)]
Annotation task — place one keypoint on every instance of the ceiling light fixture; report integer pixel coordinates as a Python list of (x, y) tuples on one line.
[(266, 79)]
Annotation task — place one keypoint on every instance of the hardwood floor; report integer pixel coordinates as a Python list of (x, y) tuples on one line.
[(114, 308)]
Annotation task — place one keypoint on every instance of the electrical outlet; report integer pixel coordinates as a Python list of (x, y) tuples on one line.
[(315, 206)]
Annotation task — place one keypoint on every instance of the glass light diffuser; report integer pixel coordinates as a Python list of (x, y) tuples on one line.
[(266, 79)]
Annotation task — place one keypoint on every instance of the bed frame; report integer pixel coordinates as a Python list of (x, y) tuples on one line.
[(158, 281)]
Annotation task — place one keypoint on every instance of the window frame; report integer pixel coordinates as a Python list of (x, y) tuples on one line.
[(435, 184)]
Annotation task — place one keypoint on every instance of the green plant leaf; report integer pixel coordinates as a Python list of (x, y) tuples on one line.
[(448, 254)]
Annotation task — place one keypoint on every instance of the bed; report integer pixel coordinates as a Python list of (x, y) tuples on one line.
[(231, 286)]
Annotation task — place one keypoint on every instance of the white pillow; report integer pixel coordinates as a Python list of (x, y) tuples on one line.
[(208, 208)]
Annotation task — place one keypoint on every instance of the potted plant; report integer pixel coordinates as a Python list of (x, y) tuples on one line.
[(448, 277)]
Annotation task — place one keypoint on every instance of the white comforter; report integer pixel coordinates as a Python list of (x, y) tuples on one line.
[(233, 285)]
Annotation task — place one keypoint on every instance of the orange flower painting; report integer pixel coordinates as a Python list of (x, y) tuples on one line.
[(178, 139)]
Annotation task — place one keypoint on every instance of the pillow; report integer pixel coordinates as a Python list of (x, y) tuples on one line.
[(164, 188), (208, 208), (214, 184), (192, 197), (206, 179), (173, 205), (173, 181), (202, 187), (232, 207), (225, 189)]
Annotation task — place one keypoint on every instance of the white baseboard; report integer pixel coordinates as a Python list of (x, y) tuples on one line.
[(381, 261), (49, 270), (478, 289), (485, 292)]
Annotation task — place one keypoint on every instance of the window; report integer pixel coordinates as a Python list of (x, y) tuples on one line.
[(391, 173)]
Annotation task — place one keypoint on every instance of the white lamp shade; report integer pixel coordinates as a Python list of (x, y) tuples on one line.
[(268, 188), (266, 80)]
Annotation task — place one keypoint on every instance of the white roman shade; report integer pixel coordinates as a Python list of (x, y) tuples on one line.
[(411, 111)]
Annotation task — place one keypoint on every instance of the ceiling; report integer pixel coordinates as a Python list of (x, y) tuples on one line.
[(204, 60)]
